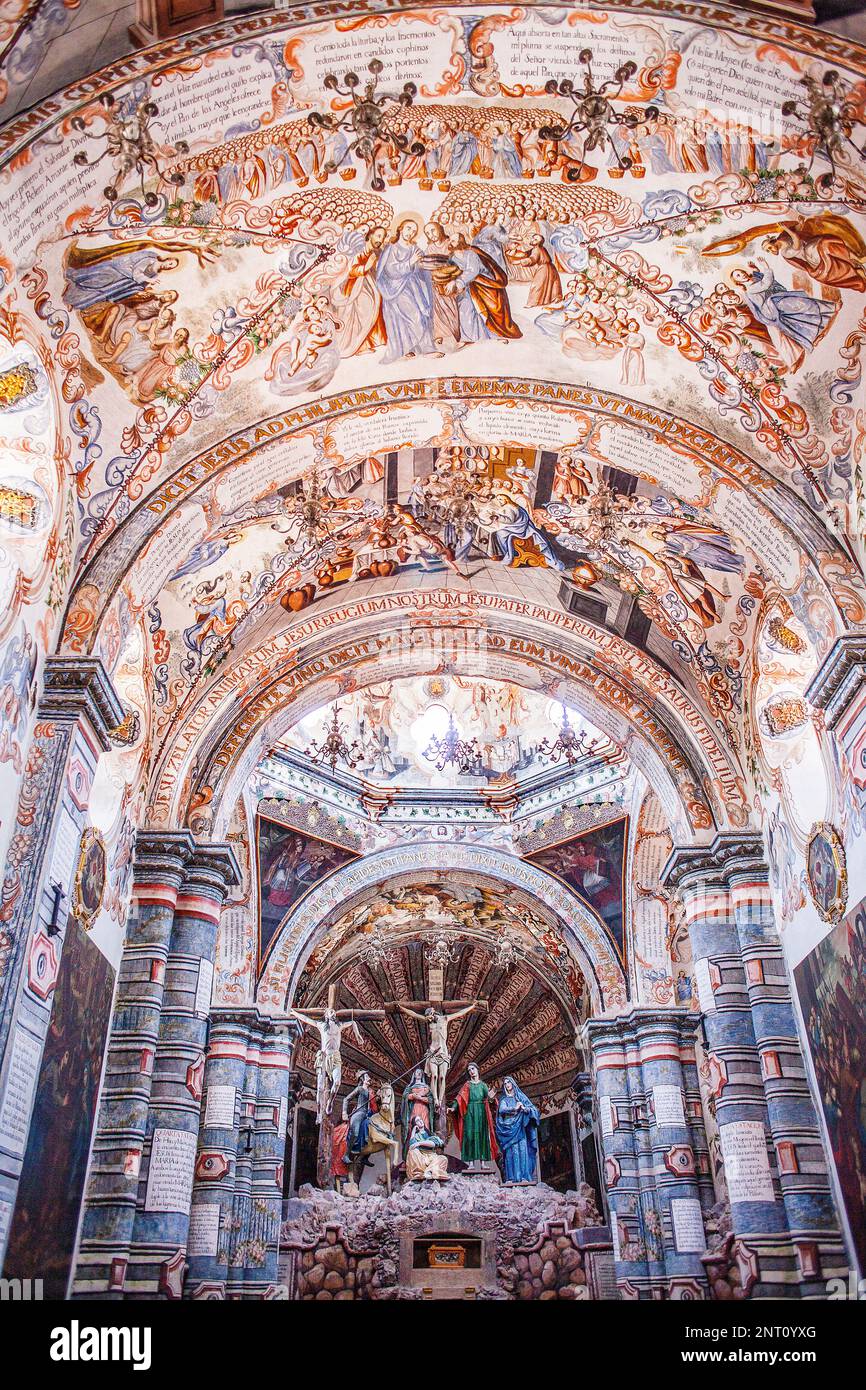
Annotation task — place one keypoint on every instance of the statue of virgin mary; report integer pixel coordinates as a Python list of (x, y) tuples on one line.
[(517, 1131)]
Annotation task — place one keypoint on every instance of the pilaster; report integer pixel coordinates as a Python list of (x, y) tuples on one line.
[(77, 710)]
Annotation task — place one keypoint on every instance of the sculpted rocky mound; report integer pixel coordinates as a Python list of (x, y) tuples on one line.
[(349, 1247)]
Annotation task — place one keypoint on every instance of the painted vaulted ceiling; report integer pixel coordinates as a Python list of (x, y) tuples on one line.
[(283, 433)]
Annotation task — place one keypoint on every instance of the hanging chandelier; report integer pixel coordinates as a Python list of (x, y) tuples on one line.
[(374, 949), (828, 118), (309, 509), (334, 749), (452, 750), (451, 491), (369, 122), (507, 952), (594, 116), (607, 512), (570, 745), (441, 953), (129, 142)]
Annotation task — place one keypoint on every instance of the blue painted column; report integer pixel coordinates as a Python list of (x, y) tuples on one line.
[(621, 1170), (159, 1239), (275, 1043), (656, 1169), (677, 1142), (78, 710), (216, 1163), (109, 1217), (745, 1001), (793, 1119)]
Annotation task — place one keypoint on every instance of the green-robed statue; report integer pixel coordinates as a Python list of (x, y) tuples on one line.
[(473, 1120)]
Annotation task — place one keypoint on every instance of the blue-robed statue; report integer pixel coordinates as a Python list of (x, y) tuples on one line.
[(359, 1116), (517, 1122)]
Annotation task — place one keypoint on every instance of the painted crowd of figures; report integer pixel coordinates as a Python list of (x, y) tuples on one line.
[(429, 291), (493, 142)]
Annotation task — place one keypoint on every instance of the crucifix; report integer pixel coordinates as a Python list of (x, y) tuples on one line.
[(437, 1014), (329, 1024)]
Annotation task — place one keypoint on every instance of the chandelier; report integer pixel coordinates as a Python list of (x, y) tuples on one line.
[(607, 512), (334, 749), (450, 492), (440, 953), (463, 754), (369, 122), (374, 949), (593, 115), (507, 952), (828, 117), (309, 508), (129, 142), (570, 745)]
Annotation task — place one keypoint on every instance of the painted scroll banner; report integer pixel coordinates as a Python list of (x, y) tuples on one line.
[(204, 1229), (688, 1223)]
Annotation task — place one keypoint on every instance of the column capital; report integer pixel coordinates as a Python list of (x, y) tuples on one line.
[(162, 855), (730, 856), (213, 869), (840, 678), (253, 1020), (681, 1022), (73, 686)]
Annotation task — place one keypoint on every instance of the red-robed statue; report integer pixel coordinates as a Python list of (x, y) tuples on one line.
[(473, 1120)]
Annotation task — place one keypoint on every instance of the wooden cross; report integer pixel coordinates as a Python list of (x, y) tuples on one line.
[(442, 1006), (329, 1084), (437, 1057)]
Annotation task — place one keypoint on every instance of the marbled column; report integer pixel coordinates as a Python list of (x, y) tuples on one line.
[(793, 1119), (77, 711), (656, 1168), (755, 1063), (269, 1147), (160, 862), (237, 1193), (213, 1193), (159, 1237)]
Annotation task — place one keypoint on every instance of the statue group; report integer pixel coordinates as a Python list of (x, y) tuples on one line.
[(491, 1126)]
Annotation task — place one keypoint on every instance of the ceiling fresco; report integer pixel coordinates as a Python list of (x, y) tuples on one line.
[(390, 729), (309, 383)]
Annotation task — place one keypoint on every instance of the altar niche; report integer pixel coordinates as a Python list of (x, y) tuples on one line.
[(451, 1263)]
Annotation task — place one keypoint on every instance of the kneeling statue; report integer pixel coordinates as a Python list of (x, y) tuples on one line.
[(424, 1156)]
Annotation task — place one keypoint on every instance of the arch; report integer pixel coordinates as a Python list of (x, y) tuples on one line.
[(308, 922), (625, 692)]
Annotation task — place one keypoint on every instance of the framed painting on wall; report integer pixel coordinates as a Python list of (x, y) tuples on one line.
[(831, 987)]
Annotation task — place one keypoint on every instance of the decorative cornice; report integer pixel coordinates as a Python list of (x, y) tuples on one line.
[(80, 685), (251, 1020), (840, 678), (729, 856)]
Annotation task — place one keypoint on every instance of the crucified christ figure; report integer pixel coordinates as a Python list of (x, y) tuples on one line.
[(329, 1060), (438, 1057)]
